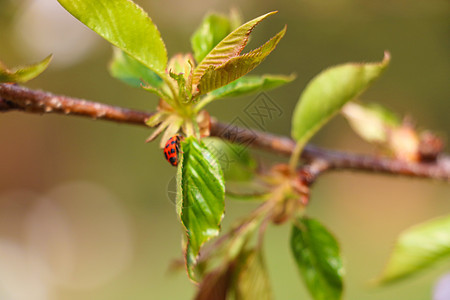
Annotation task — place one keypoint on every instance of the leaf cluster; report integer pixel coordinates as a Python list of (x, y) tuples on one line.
[(233, 265)]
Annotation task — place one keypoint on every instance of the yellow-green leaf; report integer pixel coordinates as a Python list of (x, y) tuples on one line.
[(327, 93), (213, 29), (318, 259), (25, 73), (418, 248), (231, 46), (236, 67), (125, 25), (372, 122), (200, 196)]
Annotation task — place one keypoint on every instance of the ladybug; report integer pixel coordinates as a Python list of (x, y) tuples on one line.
[(172, 149)]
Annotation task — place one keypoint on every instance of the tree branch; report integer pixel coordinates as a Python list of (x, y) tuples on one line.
[(33, 101), (14, 97)]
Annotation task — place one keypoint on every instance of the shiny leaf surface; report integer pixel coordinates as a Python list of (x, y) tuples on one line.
[(125, 25), (200, 193), (327, 93), (317, 255)]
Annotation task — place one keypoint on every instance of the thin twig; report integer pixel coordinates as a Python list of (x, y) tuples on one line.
[(13, 97)]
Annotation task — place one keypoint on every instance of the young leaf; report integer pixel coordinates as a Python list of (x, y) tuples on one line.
[(24, 74), (132, 72), (372, 122), (175, 124), (232, 69), (201, 193), (125, 25), (181, 63), (418, 248), (253, 279), (163, 125), (316, 253), (326, 93), (235, 160), (251, 84), (231, 46), (214, 28)]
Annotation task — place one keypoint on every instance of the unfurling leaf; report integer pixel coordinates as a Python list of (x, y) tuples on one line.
[(181, 63), (231, 46), (25, 73), (327, 93), (180, 69), (214, 28), (252, 278), (418, 248), (236, 67), (200, 198), (316, 253), (125, 25), (132, 72)]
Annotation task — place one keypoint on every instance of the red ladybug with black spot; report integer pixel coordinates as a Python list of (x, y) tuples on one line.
[(172, 149)]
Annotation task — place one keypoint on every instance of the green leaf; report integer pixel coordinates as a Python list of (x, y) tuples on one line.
[(214, 28), (372, 121), (132, 72), (200, 194), (125, 25), (251, 84), (316, 253), (25, 73), (326, 93), (418, 248), (231, 46), (235, 160), (253, 280), (232, 69)]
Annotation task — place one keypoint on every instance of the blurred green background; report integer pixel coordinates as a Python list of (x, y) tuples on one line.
[(84, 212)]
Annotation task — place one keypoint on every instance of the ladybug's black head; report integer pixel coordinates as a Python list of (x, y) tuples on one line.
[(173, 160)]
